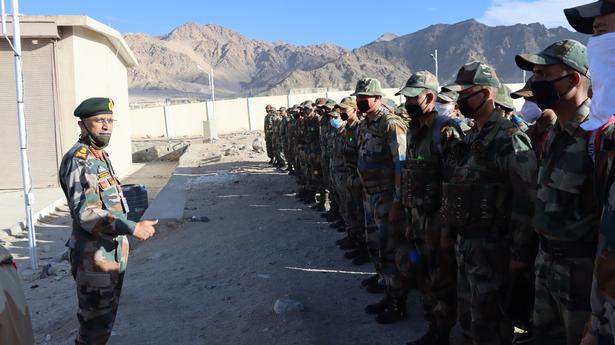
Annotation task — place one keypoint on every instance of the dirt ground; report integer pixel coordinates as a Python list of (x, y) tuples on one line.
[(215, 282)]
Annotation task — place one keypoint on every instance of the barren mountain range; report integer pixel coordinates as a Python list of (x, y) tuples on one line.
[(176, 65)]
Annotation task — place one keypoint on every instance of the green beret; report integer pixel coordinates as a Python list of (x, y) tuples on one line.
[(94, 106)]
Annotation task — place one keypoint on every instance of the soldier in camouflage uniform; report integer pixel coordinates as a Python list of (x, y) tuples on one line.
[(598, 18), (281, 137), (268, 128), (355, 224), (278, 153), (488, 202), (290, 143), (382, 152), (98, 244), (431, 139), (566, 214), (311, 152), (15, 324)]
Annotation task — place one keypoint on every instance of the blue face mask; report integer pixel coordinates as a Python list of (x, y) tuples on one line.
[(336, 122)]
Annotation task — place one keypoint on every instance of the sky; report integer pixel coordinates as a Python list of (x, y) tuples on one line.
[(346, 23)]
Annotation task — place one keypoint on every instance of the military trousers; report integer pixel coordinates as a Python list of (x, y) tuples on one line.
[(561, 306), (482, 286), (269, 145), (384, 238), (98, 268), (603, 294), (356, 213)]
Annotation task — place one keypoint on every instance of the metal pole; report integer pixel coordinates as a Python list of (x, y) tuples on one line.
[(436, 60), (23, 137)]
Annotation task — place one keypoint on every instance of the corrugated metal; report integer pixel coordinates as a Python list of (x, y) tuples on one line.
[(38, 67)]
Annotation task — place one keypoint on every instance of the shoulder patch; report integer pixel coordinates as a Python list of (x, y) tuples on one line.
[(82, 153)]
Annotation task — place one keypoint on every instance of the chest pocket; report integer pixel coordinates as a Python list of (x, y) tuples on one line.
[(110, 193)]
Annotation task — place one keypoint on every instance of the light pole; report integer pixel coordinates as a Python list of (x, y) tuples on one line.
[(23, 133), (434, 56), (211, 117)]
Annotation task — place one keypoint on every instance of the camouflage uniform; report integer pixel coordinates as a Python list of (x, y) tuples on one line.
[(488, 202), (338, 173), (15, 324), (566, 215), (427, 166), (268, 127), (278, 139), (382, 151), (98, 244)]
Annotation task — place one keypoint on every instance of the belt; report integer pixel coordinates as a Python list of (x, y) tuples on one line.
[(566, 249)]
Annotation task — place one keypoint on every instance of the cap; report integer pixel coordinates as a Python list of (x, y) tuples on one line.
[(447, 95), (525, 92), (568, 52), (581, 18), (348, 102), (419, 82), (368, 87), (473, 74), (503, 98), (94, 106)]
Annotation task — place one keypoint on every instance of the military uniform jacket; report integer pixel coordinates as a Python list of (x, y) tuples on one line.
[(382, 151), (566, 209), (504, 153), (95, 199)]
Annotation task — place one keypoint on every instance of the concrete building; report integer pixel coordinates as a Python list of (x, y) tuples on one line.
[(66, 59)]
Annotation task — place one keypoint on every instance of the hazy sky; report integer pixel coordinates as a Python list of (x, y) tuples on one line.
[(346, 23)]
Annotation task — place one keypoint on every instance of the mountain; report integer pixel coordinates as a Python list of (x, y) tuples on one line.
[(176, 65)]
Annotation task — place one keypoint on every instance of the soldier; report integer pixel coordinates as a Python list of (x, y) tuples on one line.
[(382, 151), (337, 170), (598, 18), (268, 127), (488, 202), (279, 128), (325, 135), (504, 100), (311, 147), (431, 139), (355, 225), (566, 214), (15, 324), (290, 143), (98, 244)]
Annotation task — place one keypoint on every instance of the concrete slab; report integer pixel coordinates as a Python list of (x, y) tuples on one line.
[(171, 200)]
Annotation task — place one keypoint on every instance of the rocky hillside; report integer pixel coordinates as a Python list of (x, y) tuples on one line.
[(177, 64)]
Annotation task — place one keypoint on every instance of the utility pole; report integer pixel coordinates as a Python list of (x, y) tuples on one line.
[(23, 134), (435, 59)]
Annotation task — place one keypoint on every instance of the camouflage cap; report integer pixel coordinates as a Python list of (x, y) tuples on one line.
[(320, 101), (525, 92), (94, 106), (503, 98), (474, 74), (306, 104), (348, 102), (447, 96), (419, 82), (368, 87), (568, 52), (581, 18), (329, 104)]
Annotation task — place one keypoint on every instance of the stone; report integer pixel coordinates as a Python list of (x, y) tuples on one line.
[(287, 305), (48, 271), (17, 230), (258, 145)]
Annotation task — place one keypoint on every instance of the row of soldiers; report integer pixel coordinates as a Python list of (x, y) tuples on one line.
[(500, 218)]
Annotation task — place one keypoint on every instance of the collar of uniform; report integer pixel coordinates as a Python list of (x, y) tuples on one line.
[(379, 113), (579, 117), (493, 119)]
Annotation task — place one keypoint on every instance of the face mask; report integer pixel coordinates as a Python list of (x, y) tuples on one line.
[(601, 60), (466, 109), (98, 141), (363, 106), (445, 109), (336, 123), (415, 110), (546, 93), (530, 112)]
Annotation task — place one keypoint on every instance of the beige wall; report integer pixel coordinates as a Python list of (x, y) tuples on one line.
[(88, 67), (231, 115)]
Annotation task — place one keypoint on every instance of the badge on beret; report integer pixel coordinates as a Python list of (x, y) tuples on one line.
[(111, 104)]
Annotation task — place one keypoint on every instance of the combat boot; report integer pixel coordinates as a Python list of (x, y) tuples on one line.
[(378, 307), (375, 288), (270, 161), (338, 224), (333, 217), (395, 311), (350, 245), (343, 241), (310, 197), (432, 337), (371, 280), (351, 254), (362, 259)]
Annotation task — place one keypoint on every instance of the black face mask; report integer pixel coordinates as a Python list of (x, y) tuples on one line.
[(415, 110), (363, 106), (546, 93), (344, 116), (466, 109)]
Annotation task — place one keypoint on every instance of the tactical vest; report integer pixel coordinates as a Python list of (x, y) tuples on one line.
[(474, 200), (422, 177)]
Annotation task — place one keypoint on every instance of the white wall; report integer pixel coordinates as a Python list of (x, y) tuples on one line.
[(231, 115), (88, 67)]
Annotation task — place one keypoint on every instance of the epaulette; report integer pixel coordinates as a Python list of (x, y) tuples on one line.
[(81, 153)]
